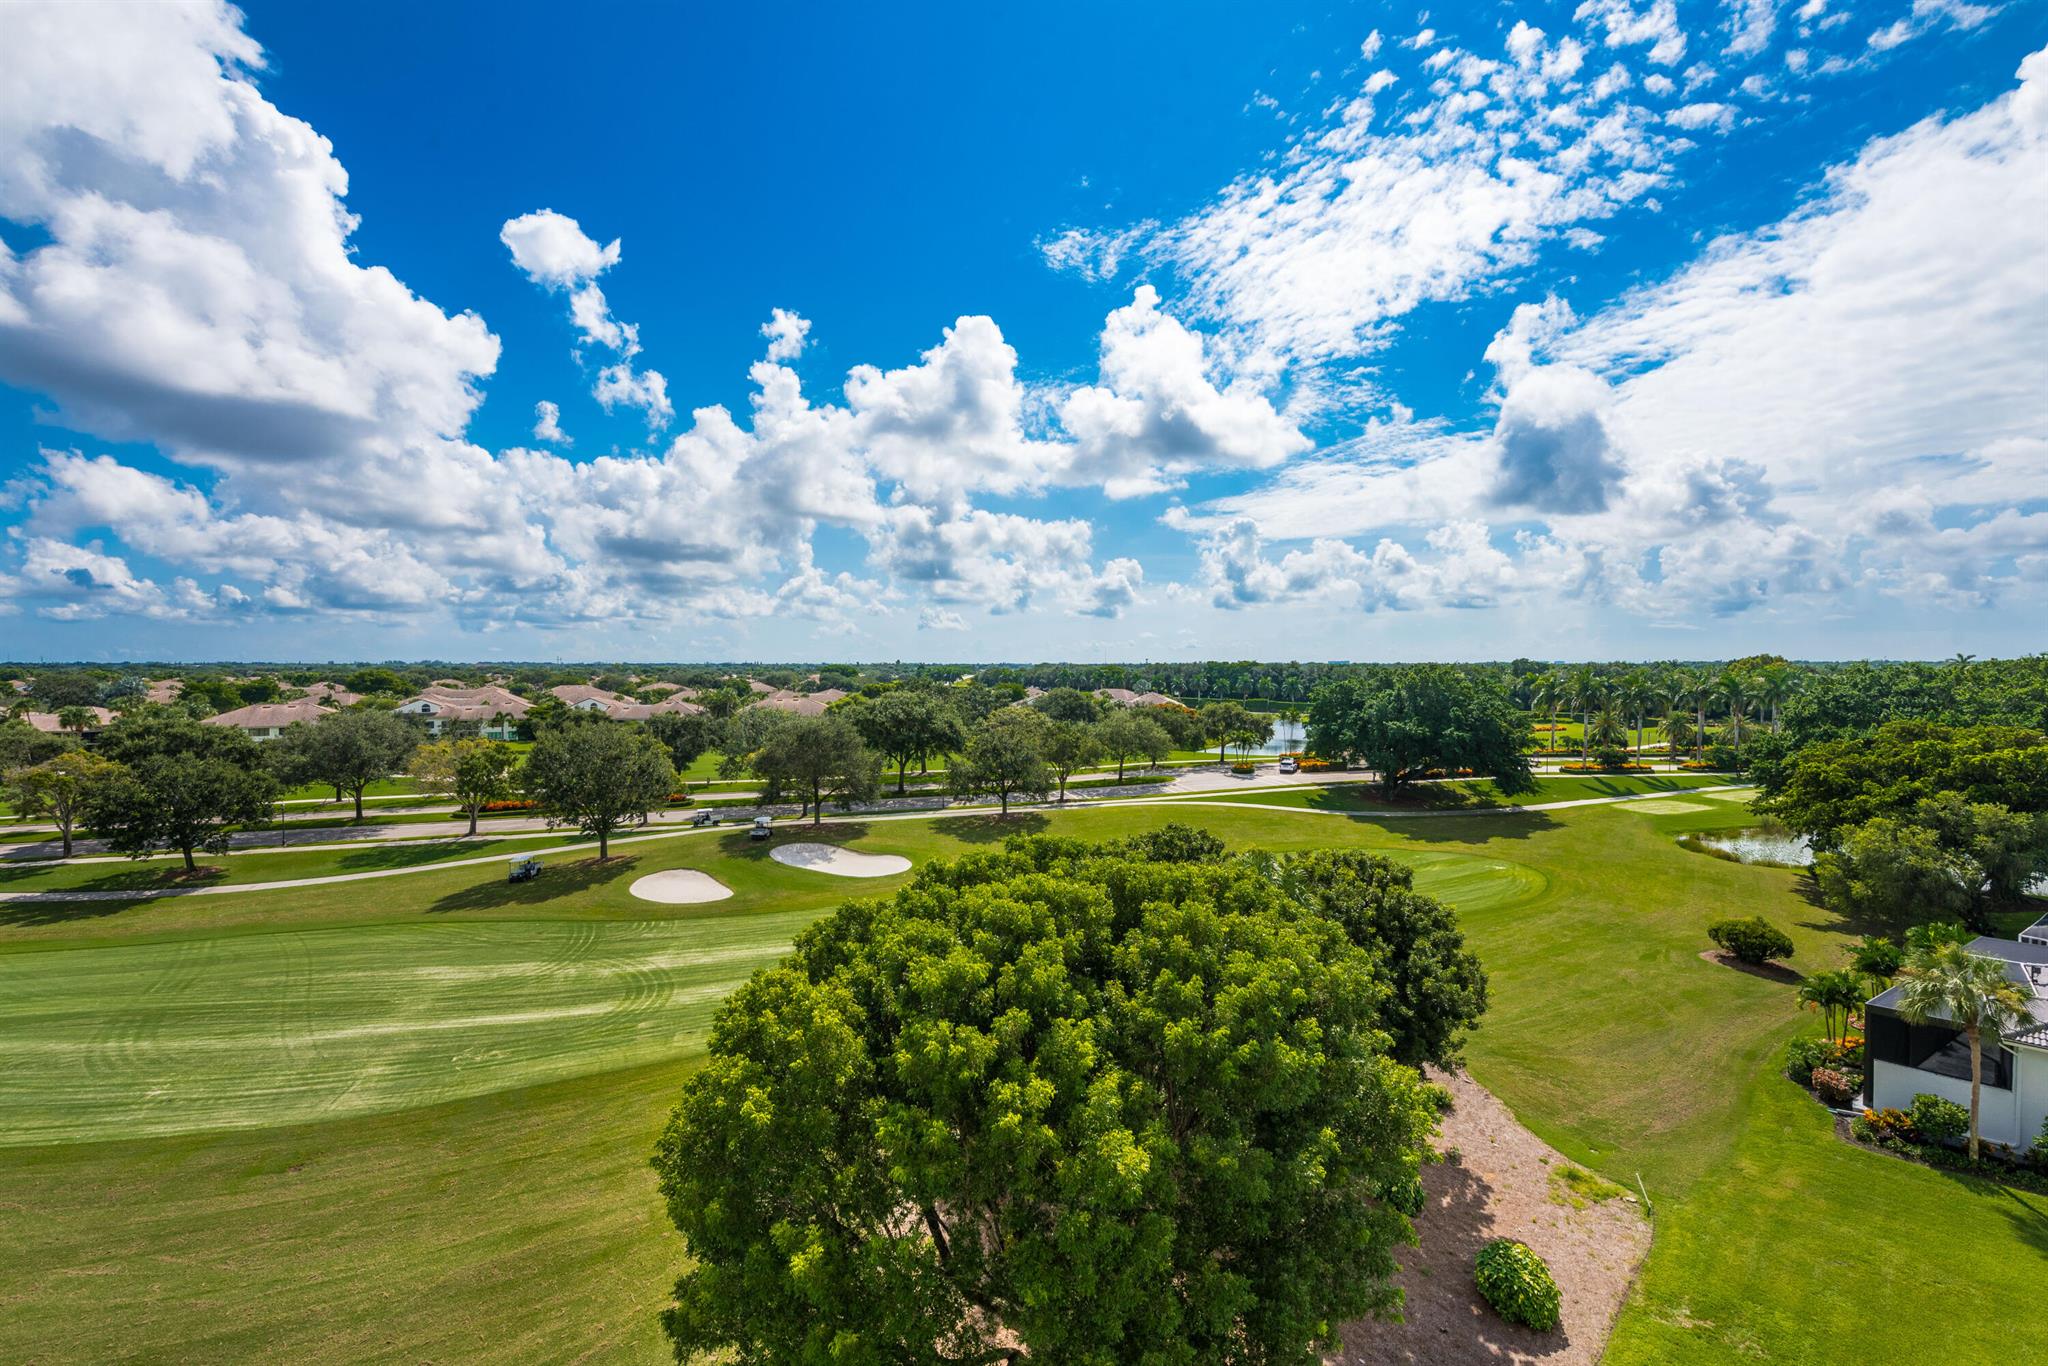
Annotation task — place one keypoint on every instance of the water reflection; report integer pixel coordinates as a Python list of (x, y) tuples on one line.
[(1769, 844)]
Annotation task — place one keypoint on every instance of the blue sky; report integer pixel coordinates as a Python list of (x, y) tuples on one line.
[(1093, 332)]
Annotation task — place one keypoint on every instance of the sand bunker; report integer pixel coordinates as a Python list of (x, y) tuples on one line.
[(680, 887), (830, 858), (1666, 807)]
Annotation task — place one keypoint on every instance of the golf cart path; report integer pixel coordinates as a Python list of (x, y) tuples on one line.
[(953, 812)]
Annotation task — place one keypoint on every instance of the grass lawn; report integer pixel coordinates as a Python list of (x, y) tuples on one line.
[(1472, 794), (482, 1223)]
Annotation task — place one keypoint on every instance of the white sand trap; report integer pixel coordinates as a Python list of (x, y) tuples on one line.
[(1666, 807), (830, 858), (679, 887), (1748, 796)]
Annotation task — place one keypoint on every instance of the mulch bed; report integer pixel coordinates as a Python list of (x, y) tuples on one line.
[(1500, 1187)]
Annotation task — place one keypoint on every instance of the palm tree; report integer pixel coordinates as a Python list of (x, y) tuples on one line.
[(1773, 684), (1835, 995), (1583, 689), (1634, 696), (1733, 690), (1606, 727), (1677, 729), (1546, 693), (75, 719), (1951, 985), (1690, 692)]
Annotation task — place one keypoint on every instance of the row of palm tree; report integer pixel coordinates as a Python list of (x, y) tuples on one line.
[(1607, 705)]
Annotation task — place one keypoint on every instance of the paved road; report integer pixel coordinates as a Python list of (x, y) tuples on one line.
[(865, 817)]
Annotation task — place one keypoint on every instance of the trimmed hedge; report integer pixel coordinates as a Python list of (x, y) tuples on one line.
[(1514, 1280), (1755, 940)]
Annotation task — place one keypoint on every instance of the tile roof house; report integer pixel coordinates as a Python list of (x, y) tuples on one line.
[(493, 709), (583, 697), (1904, 1059), (49, 724), (333, 694), (267, 720), (1124, 697), (797, 705)]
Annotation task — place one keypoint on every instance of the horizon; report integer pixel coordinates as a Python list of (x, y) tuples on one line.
[(1420, 334)]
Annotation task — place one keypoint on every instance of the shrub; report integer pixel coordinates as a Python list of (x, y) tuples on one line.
[(2039, 1152), (1724, 757), (1890, 1125), (1244, 768), (1802, 1056), (1834, 1087), (1517, 1284), (1939, 1120), (1755, 940), (1610, 756)]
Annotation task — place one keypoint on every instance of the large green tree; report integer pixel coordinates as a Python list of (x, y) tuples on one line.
[(349, 750), (1053, 1104), (1128, 733), (598, 778), (63, 788), (1004, 758), (1825, 788), (1406, 721), (909, 726), (471, 773), (22, 745), (817, 759), (687, 736), (1227, 724), (184, 786), (1069, 747)]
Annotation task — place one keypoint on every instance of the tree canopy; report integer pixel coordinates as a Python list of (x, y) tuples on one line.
[(61, 787), (472, 773), (183, 786), (909, 726), (816, 759), (1825, 788), (1054, 1102), (598, 778), (349, 750), (1004, 758), (1404, 722)]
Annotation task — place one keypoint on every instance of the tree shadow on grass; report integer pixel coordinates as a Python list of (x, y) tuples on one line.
[(996, 828), (33, 908), (412, 855), (1452, 828), (556, 881), (1770, 972)]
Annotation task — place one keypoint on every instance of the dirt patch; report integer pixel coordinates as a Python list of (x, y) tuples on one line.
[(1501, 1186), (1770, 972)]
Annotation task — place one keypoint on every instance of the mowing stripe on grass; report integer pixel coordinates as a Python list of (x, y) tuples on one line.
[(257, 1030)]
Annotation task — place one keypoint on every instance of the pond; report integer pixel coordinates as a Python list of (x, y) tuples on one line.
[(1287, 738), (1771, 845)]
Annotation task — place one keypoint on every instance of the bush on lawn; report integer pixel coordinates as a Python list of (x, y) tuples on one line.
[(1244, 768), (1754, 940), (1835, 1087), (1939, 1120), (1514, 1280)]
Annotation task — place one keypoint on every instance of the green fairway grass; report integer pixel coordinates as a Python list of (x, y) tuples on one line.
[(520, 1223), (251, 1031)]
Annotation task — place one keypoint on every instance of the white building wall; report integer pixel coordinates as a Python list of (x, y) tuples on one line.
[(2030, 1094), (1893, 1086)]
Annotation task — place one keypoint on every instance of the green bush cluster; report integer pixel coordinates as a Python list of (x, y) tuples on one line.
[(1939, 1120), (1804, 1056), (1754, 940), (1517, 1284)]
